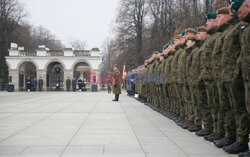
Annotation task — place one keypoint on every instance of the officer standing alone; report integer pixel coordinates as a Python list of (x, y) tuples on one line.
[(116, 89)]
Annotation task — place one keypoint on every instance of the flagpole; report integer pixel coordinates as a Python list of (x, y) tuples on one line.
[(124, 77)]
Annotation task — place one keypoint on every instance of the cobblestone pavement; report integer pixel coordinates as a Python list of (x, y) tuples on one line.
[(91, 125)]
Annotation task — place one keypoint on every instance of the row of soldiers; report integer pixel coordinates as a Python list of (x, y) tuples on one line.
[(201, 79)]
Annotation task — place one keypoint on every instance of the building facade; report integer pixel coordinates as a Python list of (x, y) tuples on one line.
[(53, 66)]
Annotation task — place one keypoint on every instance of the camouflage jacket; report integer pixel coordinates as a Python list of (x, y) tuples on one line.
[(182, 66), (231, 51), (206, 56), (174, 63), (217, 51), (195, 69), (167, 68), (189, 59), (245, 50)]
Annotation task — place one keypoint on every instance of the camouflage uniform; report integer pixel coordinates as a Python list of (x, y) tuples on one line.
[(177, 96), (182, 90), (161, 90), (245, 59), (167, 81), (155, 84), (188, 90), (231, 51), (206, 80), (220, 99), (151, 88), (143, 85), (195, 71)]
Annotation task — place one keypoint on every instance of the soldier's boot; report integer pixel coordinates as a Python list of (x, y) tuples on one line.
[(175, 117), (244, 154), (236, 148), (187, 124), (195, 128), (172, 116), (214, 136), (204, 132), (224, 142), (178, 120), (181, 121)]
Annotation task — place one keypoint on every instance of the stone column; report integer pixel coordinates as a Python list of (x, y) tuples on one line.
[(15, 79), (42, 74), (67, 74)]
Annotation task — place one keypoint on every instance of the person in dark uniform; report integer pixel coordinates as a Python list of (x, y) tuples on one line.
[(74, 84), (28, 84), (80, 84), (68, 84), (34, 84), (40, 84)]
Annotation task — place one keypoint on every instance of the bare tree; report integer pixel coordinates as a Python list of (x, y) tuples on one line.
[(11, 14), (42, 36), (131, 24), (209, 5), (79, 44)]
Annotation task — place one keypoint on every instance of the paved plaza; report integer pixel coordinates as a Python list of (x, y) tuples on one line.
[(91, 125)]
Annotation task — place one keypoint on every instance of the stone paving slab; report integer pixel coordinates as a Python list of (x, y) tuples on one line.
[(53, 124)]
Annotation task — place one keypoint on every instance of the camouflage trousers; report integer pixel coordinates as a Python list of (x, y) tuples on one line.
[(195, 106), (220, 102), (155, 95), (173, 97), (166, 95), (247, 95), (230, 124), (188, 105), (239, 107), (161, 96), (202, 100), (179, 99)]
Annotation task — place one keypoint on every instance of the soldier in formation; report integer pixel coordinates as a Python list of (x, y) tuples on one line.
[(40, 84), (68, 84), (201, 79)]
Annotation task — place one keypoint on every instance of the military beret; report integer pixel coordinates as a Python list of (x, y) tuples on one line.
[(190, 30), (183, 33), (159, 51), (117, 66), (223, 10), (165, 47), (211, 16), (237, 4), (191, 37), (202, 29), (172, 43)]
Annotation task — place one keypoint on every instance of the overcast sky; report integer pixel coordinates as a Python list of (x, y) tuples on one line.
[(88, 20)]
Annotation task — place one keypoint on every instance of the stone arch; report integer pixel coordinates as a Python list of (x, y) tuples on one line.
[(52, 61), (8, 65), (100, 66), (27, 72), (27, 60), (80, 61)]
